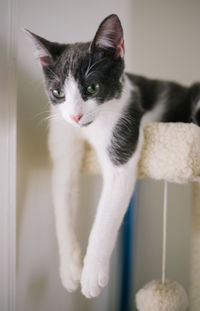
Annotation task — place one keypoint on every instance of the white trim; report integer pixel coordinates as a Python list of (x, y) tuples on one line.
[(8, 100)]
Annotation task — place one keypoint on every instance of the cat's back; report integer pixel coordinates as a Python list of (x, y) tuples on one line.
[(175, 98)]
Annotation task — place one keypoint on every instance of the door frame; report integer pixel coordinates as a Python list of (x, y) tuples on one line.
[(8, 104)]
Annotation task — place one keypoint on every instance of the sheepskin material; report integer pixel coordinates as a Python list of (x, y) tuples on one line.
[(158, 296), (195, 251), (170, 152)]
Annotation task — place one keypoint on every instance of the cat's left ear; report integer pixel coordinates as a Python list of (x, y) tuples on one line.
[(109, 37)]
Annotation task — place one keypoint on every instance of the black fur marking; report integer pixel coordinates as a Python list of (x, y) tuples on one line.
[(149, 90), (197, 117), (126, 132), (75, 60), (180, 103), (194, 99), (106, 73)]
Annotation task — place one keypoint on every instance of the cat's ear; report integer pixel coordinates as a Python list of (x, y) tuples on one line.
[(109, 37), (43, 48)]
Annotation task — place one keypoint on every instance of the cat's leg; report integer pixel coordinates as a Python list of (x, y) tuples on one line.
[(66, 149), (118, 187)]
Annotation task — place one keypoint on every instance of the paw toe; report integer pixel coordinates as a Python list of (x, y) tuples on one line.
[(103, 279), (70, 276), (93, 281)]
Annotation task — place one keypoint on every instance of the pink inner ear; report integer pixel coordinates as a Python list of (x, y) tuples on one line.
[(45, 60), (120, 49)]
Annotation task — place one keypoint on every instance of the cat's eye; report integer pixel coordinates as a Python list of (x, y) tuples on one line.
[(93, 88), (58, 93)]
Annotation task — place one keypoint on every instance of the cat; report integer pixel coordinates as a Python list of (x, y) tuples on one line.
[(93, 99)]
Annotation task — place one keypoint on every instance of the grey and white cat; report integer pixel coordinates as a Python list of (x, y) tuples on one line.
[(93, 99)]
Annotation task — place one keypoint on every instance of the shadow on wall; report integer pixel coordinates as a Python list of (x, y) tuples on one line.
[(32, 156), (32, 130)]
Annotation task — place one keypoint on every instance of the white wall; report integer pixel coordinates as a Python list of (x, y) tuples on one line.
[(161, 41), (165, 39)]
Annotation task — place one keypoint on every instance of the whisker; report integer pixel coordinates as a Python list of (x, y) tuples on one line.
[(87, 73), (39, 114), (54, 74), (47, 120), (88, 67), (71, 60)]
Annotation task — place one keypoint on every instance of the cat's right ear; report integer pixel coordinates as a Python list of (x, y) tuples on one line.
[(43, 48)]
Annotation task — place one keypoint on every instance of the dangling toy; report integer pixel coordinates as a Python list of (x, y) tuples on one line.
[(162, 295)]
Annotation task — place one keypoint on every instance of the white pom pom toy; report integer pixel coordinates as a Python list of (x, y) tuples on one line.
[(158, 296), (162, 295)]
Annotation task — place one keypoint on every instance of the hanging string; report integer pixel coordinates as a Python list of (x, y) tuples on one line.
[(164, 232)]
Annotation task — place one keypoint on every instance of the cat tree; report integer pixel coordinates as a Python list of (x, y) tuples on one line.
[(171, 152)]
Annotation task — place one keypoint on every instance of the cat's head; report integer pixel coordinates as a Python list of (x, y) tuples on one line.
[(81, 78)]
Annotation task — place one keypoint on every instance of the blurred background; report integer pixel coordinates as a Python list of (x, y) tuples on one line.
[(161, 41)]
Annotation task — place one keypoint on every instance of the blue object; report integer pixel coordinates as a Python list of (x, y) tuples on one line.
[(127, 260)]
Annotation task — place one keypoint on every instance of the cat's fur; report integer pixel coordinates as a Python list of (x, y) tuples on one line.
[(112, 121)]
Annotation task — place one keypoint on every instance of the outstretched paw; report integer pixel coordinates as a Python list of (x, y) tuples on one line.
[(70, 271), (94, 278)]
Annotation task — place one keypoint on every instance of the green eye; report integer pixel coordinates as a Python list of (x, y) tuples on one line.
[(93, 88), (58, 93)]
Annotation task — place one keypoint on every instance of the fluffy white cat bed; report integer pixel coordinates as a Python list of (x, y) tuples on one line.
[(171, 152)]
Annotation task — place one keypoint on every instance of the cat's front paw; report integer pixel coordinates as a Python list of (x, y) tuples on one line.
[(70, 271), (94, 278)]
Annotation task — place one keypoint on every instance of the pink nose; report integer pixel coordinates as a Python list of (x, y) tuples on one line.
[(76, 118)]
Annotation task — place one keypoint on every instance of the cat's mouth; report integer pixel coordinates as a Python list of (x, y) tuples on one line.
[(80, 123), (85, 124)]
